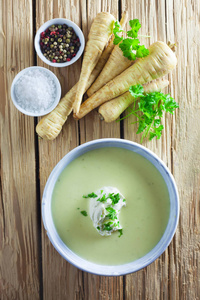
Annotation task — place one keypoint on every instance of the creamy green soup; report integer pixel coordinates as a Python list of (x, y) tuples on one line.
[(144, 218)]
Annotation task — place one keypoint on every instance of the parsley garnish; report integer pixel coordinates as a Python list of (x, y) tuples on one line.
[(84, 213), (112, 213), (120, 232), (151, 107), (98, 227), (114, 197), (92, 195), (130, 46), (107, 226), (102, 199)]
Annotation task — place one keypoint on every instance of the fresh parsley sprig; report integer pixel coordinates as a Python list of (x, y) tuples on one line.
[(150, 111), (130, 45)]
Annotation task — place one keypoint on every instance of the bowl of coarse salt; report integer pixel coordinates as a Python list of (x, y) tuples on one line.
[(35, 91)]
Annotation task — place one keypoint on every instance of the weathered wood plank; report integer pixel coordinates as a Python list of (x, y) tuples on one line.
[(91, 127), (19, 247), (184, 272), (153, 280), (174, 275), (60, 279)]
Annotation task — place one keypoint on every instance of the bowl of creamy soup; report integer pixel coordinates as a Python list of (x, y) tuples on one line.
[(110, 207)]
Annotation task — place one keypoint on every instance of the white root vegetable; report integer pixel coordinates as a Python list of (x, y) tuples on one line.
[(98, 37), (160, 61), (112, 109)]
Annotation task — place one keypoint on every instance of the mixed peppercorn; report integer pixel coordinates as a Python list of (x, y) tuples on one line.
[(59, 43)]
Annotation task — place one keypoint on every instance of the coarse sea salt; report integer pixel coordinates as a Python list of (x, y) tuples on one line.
[(35, 91)]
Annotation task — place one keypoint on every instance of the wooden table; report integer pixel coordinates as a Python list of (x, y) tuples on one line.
[(30, 267)]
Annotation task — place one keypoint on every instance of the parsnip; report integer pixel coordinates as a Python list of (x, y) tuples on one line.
[(99, 34), (112, 109), (160, 61), (106, 53), (115, 65), (50, 125)]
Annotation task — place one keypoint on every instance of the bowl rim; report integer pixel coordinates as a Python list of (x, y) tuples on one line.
[(59, 21), (57, 98), (88, 266)]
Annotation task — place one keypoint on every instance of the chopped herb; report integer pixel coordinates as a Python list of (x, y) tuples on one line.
[(78, 207), (120, 232), (107, 226), (102, 199), (92, 195), (114, 198), (101, 191), (130, 45), (98, 227), (84, 213), (110, 209), (124, 200), (112, 213)]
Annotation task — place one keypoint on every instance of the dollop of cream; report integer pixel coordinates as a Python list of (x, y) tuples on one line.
[(100, 210)]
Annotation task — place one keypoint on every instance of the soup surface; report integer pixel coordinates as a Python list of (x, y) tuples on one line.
[(144, 218)]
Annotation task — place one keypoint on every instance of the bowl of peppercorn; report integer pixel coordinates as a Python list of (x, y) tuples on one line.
[(59, 42)]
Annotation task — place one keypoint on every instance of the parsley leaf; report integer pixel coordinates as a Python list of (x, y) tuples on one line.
[(120, 232), (151, 107), (135, 26), (102, 199), (107, 226), (112, 213), (114, 198), (142, 51), (137, 90), (117, 29), (92, 195), (130, 46), (84, 213)]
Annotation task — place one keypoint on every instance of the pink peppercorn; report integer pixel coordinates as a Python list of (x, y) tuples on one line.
[(54, 60), (68, 59)]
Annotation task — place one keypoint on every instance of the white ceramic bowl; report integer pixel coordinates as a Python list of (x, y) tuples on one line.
[(102, 269), (58, 21), (57, 96)]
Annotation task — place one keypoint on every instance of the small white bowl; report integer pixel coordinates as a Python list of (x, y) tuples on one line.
[(59, 21), (57, 95), (86, 265)]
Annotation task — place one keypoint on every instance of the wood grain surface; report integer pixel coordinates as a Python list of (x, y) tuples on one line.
[(30, 267)]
